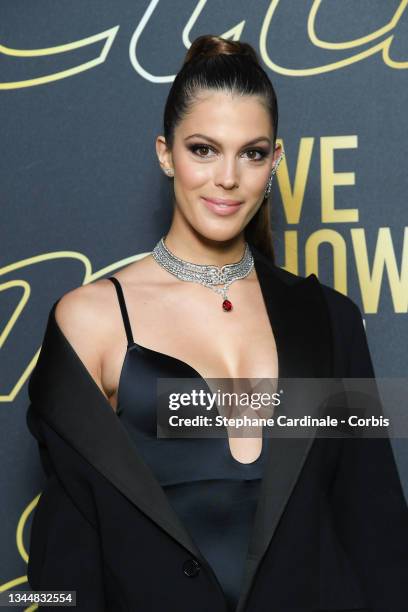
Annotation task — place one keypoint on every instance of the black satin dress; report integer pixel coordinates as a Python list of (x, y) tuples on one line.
[(214, 495)]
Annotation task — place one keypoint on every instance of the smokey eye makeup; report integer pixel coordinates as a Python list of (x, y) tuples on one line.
[(260, 153)]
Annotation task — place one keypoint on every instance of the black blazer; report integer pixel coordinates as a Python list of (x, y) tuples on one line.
[(331, 529)]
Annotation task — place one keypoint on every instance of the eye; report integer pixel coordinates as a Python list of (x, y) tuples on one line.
[(197, 147), (260, 152)]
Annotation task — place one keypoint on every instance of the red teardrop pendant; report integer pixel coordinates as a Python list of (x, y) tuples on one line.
[(227, 305)]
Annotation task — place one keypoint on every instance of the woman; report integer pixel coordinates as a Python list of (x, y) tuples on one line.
[(133, 522)]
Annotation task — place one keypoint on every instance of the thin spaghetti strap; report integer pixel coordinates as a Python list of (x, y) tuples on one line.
[(123, 309)]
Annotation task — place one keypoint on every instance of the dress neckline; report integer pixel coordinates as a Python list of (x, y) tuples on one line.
[(158, 354), (144, 349)]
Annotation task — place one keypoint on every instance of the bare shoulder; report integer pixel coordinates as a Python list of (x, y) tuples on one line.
[(89, 317), (84, 315), (84, 308), (86, 312)]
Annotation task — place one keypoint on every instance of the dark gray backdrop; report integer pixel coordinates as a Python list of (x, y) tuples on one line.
[(82, 192)]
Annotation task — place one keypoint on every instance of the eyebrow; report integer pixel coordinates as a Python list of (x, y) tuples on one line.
[(251, 142)]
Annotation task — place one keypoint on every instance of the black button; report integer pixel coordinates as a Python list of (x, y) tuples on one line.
[(191, 567)]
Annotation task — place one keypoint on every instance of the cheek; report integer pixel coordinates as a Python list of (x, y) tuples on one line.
[(191, 176), (254, 182)]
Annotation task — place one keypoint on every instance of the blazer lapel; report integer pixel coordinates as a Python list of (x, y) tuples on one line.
[(300, 321), (64, 395)]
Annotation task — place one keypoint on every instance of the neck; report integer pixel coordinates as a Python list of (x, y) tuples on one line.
[(204, 251)]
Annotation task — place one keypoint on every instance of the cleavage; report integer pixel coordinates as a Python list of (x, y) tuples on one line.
[(147, 365)]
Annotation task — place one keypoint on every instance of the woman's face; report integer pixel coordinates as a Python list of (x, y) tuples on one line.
[(222, 150)]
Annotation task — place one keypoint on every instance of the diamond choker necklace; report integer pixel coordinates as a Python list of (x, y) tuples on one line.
[(207, 275)]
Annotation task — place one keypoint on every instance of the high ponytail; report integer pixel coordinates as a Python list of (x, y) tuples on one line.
[(215, 63), (211, 46)]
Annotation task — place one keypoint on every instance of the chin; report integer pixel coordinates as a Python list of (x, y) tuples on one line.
[(219, 232)]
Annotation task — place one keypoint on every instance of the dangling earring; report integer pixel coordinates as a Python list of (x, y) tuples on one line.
[(270, 180)]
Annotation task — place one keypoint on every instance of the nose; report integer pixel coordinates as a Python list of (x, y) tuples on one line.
[(226, 174)]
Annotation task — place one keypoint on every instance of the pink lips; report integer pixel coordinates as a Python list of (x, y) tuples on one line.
[(222, 207)]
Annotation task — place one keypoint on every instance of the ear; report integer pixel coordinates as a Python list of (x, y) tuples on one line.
[(164, 154), (278, 151)]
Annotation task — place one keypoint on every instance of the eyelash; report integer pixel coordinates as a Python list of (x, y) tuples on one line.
[(193, 148)]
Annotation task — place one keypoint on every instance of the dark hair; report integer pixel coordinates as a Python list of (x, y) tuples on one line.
[(218, 64)]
